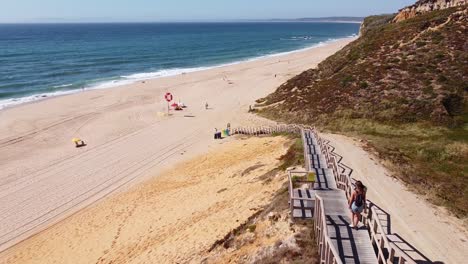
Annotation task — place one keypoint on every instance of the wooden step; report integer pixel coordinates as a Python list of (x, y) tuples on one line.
[(303, 213)]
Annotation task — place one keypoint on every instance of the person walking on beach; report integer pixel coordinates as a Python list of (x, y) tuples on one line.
[(206, 105), (357, 202), (228, 129)]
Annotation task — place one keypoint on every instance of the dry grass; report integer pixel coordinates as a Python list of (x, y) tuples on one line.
[(294, 155), (431, 160)]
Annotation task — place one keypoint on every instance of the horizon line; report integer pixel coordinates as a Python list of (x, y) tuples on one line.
[(330, 19)]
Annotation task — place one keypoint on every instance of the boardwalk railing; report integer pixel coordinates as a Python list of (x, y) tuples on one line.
[(268, 130), (292, 197), (387, 251), (328, 253)]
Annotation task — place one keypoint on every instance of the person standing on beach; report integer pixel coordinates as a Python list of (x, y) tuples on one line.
[(357, 202), (206, 105)]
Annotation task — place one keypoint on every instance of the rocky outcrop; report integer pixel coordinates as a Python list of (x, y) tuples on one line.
[(374, 21), (424, 6)]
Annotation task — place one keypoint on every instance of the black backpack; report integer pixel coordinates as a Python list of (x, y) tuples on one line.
[(359, 200)]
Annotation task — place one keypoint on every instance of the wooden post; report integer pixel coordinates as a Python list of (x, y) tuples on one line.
[(391, 256), (401, 260)]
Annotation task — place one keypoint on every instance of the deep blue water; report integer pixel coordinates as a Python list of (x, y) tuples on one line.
[(47, 59)]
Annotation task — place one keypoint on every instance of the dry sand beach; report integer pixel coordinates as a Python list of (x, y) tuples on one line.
[(44, 178), (173, 218)]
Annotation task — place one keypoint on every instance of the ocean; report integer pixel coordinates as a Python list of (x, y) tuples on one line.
[(43, 60)]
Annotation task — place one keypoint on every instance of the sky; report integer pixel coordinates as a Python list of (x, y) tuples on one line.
[(18, 11)]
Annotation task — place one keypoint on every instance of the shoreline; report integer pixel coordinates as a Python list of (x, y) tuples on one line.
[(132, 79)]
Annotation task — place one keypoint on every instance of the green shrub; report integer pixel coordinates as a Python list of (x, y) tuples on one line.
[(420, 44), (347, 80), (441, 78), (311, 177), (252, 228)]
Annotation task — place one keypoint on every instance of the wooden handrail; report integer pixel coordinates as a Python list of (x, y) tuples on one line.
[(292, 198), (265, 130), (328, 253), (298, 172), (327, 250), (321, 232), (306, 152), (290, 186), (384, 242), (374, 224)]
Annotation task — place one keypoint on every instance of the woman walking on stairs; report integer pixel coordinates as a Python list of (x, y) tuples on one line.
[(357, 202)]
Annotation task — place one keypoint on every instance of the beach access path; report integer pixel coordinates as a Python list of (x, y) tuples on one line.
[(44, 178), (429, 229)]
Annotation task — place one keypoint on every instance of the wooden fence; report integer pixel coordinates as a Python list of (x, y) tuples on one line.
[(268, 130), (327, 251), (293, 198)]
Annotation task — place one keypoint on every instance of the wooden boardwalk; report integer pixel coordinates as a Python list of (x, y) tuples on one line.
[(331, 208), (326, 202)]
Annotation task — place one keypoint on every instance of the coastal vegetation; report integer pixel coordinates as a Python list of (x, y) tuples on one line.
[(401, 88), (294, 156)]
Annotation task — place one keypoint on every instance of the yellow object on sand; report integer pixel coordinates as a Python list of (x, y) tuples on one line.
[(76, 140)]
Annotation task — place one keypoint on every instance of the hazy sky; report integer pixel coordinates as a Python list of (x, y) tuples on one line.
[(186, 10)]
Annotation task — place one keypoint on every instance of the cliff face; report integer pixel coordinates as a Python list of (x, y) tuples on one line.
[(423, 6), (373, 22)]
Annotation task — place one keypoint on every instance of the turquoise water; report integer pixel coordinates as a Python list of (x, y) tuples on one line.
[(43, 60)]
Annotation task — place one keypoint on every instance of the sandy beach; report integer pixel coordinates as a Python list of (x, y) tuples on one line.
[(44, 178), (173, 218)]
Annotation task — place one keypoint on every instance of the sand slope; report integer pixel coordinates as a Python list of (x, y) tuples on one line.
[(173, 218)]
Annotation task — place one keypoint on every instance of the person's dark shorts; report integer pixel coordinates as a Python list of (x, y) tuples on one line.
[(357, 209)]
